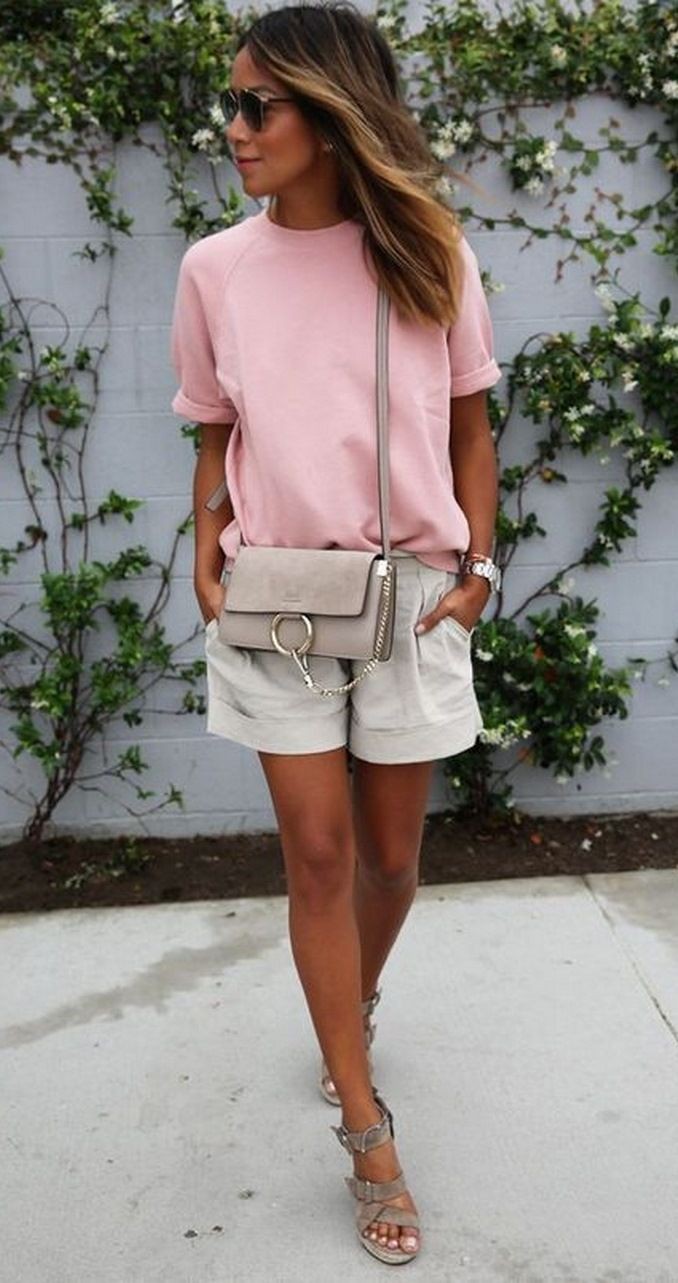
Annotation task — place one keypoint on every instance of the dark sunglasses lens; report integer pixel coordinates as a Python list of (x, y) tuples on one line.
[(228, 105), (246, 102)]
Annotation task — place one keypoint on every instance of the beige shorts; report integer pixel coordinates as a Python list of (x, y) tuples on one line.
[(418, 706)]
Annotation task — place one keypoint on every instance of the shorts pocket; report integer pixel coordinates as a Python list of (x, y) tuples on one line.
[(456, 626)]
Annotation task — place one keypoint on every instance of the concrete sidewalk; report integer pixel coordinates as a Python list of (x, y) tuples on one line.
[(162, 1121)]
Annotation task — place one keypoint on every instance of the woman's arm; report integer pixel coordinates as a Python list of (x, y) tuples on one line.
[(209, 559), (474, 467)]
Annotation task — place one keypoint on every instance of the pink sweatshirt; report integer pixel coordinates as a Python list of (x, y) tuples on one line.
[(274, 329)]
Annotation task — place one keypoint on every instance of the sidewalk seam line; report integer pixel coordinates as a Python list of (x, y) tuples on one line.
[(630, 958)]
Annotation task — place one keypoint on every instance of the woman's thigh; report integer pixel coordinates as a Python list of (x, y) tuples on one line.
[(311, 797), (389, 808)]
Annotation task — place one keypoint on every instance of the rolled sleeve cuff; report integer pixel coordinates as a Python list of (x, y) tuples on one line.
[(197, 413), (485, 377)]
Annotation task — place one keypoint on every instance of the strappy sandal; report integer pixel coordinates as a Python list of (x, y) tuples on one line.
[(370, 1194), (326, 1085)]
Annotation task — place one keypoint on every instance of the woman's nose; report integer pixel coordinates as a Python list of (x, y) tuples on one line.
[(237, 132)]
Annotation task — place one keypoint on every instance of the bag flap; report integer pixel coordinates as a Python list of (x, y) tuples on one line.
[(294, 580)]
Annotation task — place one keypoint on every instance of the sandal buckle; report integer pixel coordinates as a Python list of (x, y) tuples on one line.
[(342, 1133)]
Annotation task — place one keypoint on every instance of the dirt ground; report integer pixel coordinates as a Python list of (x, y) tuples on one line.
[(67, 873)]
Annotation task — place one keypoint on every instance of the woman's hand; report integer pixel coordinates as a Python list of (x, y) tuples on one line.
[(465, 603), (211, 595)]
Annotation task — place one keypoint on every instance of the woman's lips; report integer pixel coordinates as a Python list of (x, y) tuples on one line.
[(242, 164)]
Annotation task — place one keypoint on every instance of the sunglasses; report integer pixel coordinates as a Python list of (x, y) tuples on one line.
[(250, 104)]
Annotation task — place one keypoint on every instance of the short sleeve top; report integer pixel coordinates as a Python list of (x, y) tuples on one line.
[(274, 331)]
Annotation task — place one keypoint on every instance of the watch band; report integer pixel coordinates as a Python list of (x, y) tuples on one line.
[(483, 567)]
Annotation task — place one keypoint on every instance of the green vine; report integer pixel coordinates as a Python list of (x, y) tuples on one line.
[(76, 81), (61, 689)]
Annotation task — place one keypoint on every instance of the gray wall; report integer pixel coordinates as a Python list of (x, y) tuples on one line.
[(136, 448)]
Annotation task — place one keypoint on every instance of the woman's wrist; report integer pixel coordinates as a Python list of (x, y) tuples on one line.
[(476, 587)]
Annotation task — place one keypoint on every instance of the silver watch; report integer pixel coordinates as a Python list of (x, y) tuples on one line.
[(486, 568)]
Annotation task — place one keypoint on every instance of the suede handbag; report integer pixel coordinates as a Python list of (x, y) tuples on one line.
[(328, 601)]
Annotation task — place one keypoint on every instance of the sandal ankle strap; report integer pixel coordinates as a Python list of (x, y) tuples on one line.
[(372, 1136), (370, 1003), (375, 1191)]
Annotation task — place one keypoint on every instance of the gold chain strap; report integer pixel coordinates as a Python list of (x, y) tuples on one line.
[(384, 611)]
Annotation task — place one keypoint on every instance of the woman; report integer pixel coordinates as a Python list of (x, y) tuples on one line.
[(272, 341)]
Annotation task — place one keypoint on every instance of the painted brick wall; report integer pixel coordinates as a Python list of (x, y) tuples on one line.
[(137, 449)]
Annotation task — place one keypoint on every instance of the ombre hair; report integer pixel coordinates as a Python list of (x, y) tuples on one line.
[(339, 68)]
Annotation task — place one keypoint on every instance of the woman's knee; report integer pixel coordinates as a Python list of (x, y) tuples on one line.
[(320, 865), (391, 866)]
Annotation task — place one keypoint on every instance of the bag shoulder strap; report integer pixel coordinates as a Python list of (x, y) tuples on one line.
[(383, 307)]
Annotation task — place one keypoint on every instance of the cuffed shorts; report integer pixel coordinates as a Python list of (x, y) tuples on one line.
[(417, 706)]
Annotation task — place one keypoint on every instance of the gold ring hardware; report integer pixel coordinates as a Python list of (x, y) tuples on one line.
[(297, 650)]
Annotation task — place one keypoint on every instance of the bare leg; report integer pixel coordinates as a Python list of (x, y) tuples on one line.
[(389, 807), (312, 801), (311, 797)]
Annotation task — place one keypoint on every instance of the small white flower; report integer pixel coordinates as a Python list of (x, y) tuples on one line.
[(669, 332), (111, 52), (463, 130), (202, 138), (443, 186), (109, 14), (592, 650), (574, 630), (586, 844), (562, 779), (565, 584), (386, 21), (603, 292), (484, 655), (217, 116), (443, 148), (544, 158), (558, 55), (625, 342), (628, 380), (575, 428), (534, 185), (523, 162), (670, 88)]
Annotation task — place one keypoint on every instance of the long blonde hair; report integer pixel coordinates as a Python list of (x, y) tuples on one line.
[(339, 68)]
